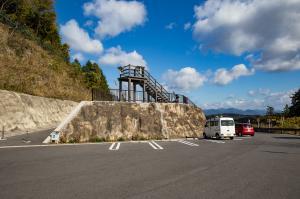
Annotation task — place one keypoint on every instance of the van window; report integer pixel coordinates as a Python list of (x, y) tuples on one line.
[(216, 123), (247, 125), (227, 123), (212, 123)]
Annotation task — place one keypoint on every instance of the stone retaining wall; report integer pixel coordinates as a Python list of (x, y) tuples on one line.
[(21, 112), (132, 121)]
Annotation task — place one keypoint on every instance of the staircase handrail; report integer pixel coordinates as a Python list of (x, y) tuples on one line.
[(132, 72)]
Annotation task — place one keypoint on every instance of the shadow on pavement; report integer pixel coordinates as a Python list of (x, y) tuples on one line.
[(30, 138), (279, 152), (275, 152), (289, 138)]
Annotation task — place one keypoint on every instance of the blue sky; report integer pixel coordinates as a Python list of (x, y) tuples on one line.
[(219, 53)]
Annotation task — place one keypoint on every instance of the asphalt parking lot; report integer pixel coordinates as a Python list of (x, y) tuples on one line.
[(264, 166)]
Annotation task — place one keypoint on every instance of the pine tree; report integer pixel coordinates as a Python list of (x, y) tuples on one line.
[(77, 67), (94, 77), (38, 15), (295, 107), (65, 50), (270, 111)]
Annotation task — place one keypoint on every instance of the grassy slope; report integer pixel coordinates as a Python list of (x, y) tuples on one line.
[(26, 67)]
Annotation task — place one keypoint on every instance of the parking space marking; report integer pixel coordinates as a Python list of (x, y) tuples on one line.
[(216, 141), (237, 139), (154, 145), (157, 145), (112, 148), (187, 143)]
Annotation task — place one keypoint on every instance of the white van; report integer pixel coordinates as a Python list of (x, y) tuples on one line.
[(219, 127)]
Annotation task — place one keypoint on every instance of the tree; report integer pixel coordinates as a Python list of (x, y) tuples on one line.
[(77, 67), (65, 49), (94, 77), (270, 111), (295, 107), (39, 16), (8, 6), (286, 111)]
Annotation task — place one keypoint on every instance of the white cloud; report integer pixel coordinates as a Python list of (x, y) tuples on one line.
[(185, 79), (79, 39), (115, 56), (270, 28), (242, 104), (279, 99), (264, 91), (187, 26), (115, 16), (223, 76), (275, 99), (78, 56), (171, 26)]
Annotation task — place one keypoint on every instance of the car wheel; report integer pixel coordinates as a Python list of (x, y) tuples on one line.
[(218, 136), (231, 138), (204, 136)]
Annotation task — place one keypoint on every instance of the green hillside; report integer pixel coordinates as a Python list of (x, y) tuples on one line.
[(32, 58)]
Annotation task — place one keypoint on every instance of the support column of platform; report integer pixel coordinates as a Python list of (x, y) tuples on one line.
[(120, 90), (129, 89), (134, 91), (144, 91)]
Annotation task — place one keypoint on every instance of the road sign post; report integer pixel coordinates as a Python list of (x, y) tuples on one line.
[(2, 134)]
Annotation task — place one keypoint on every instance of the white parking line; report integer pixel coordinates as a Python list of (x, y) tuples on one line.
[(237, 139), (154, 145), (216, 141), (187, 143), (112, 146), (157, 145)]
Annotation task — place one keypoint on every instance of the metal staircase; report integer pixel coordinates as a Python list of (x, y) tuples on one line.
[(151, 89), (138, 75)]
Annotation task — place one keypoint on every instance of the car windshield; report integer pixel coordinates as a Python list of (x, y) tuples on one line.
[(227, 123), (247, 125)]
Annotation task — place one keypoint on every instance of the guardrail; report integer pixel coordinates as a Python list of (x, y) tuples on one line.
[(278, 130)]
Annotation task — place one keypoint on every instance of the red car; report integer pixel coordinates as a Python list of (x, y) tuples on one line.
[(244, 129)]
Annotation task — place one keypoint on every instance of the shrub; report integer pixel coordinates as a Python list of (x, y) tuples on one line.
[(120, 139), (138, 137), (97, 139), (62, 139), (74, 140)]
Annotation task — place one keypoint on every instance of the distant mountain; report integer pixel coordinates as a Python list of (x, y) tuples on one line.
[(234, 111)]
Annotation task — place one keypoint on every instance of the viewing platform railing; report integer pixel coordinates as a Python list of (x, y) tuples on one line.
[(141, 72), (113, 95), (152, 90)]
